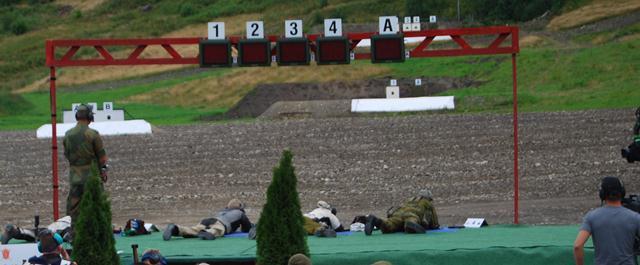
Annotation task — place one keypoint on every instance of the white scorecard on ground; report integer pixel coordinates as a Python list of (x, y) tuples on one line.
[(402, 104), (255, 30), (215, 31), (16, 253), (293, 28), (333, 27), (388, 25), (475, 223), (104, 128)]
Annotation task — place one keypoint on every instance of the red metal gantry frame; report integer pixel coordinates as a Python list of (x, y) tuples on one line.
[(174, 57)]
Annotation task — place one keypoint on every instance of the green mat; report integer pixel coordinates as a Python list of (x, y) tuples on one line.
[(495, 245)]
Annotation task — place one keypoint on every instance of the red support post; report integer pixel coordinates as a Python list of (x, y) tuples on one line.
[(54, 141), (515, 141)]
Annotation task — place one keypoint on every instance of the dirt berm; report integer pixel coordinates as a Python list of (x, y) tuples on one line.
[(263, 96)]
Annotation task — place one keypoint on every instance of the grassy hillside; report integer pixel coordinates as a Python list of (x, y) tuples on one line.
[(599, 71)]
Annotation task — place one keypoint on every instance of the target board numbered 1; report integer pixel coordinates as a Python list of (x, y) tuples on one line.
[(215, 30)]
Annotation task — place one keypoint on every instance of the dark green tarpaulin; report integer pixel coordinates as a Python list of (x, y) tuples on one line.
[(495, 245)]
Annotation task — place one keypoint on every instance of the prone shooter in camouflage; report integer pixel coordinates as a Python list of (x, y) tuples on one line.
[(415, 216), (84, 149)]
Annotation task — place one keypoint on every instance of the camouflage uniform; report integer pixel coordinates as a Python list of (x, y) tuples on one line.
[(417, 210), (83, 148)]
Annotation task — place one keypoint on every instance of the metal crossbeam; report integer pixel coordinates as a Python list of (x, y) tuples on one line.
[(423, 49)]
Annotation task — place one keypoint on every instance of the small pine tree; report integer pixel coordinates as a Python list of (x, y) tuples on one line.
[(93, 242), (280, 232)]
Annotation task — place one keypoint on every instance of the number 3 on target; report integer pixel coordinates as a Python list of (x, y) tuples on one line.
[(293, 28)]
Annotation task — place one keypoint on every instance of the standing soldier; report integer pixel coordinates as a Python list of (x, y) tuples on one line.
[(414, 216), (84, 149)]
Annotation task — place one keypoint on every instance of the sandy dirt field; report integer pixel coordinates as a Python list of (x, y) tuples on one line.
[(360, 165)]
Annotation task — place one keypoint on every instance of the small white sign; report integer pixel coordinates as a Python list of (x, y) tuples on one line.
[(388, 25), (352, 56), (333, 27), (407, 20), (94, 106), (475, 223), (418, 82), (107, 106), (393, 82), (432, 19), (416, 19), (293, 28), (274, 58), (255, 30), (407, 54), (406, 27), (415, 26), (215, 30)]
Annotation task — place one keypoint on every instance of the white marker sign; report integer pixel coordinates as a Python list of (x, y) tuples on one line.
[(393, 82), (94, 106), (407, 20), (107, 106), (215, 30), (333, 27), (416, 19), (293, 28), (388, 25), (475, 223), (255, 30), (74, 107), (432, 19)]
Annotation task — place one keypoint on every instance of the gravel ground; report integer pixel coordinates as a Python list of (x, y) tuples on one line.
[(360, 165)]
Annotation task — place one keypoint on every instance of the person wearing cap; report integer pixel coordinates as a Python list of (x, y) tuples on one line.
[(299, 259), (614, 228), (84, 149), (226, 221), (414, 216), (50, 245), (322, 220), (153, 257)]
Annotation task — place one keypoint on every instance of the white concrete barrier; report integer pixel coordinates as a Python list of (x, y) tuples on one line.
[(408, 40), (104, 128), (402, 104)]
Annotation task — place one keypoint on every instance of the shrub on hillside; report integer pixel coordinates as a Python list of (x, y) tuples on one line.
[(18, 27), (93, 241), (280, 233), (187, 10)]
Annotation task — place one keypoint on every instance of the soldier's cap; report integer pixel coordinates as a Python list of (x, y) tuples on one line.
[(235, 204), (299, 259), (426, 193), (324, 204), (382, 262)]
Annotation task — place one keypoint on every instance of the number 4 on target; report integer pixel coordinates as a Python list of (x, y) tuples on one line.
[(333, 27)]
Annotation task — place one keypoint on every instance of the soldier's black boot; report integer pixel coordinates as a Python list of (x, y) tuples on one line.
[(10, 232), (372, 221), (413, 228), (204, 235), (171, 230)]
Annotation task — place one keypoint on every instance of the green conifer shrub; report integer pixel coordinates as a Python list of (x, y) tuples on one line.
[(280, 232), (93, 242)]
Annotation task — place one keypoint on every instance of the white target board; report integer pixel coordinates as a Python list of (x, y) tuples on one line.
[(293, 28), (215, 30), (388, 25), (255, 30), (333, 27)]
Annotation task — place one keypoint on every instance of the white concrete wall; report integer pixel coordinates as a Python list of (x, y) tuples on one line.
[(104, 128), (402, 104)]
